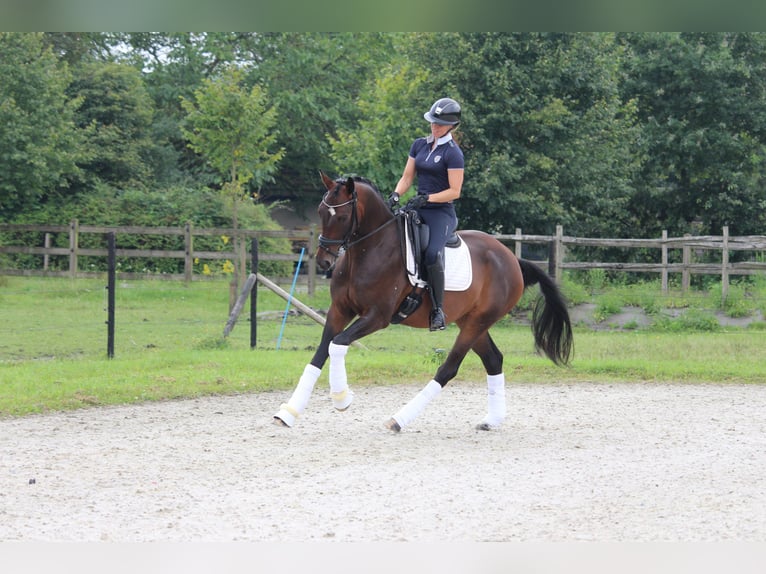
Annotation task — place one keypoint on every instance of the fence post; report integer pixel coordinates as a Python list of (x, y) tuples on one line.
[(517, 247), (725, 265), (687, 259), (559, 250), (74, 231), (312, 266), (111, 271), (47, 245), (188, 252), (242, 256), (664, 262), (254, 293)]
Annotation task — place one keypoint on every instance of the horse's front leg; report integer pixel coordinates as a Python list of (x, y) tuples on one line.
[(292, 409), (340, 393)]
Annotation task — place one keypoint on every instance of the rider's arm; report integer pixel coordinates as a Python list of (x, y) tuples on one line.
[(408, 176), (453, 191)]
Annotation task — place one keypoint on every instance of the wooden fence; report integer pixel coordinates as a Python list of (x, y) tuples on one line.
[(236, 253), (557, 250), (688, 245)]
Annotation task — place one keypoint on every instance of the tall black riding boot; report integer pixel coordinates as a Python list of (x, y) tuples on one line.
[(436, 282)]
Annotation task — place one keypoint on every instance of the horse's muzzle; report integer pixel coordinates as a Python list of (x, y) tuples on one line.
[(326, 258)]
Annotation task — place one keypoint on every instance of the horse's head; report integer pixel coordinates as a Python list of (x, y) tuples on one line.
[(352, 210), (338, 215)]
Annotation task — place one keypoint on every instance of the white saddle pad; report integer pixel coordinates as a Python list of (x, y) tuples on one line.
[(458, 272)]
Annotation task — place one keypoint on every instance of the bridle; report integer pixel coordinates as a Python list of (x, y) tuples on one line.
[(344, 244)]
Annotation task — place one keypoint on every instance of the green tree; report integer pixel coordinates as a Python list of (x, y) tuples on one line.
[(115, 114), (389, 109), (39, 143), (546, 136), (233, 128), (702, 101), (315, 79), (174, 65)]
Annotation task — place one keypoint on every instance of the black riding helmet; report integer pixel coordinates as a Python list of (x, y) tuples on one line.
[(445, 111)]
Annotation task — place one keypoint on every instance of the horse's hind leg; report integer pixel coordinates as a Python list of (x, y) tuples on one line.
[(492, 359), (445, 373), (412, 409)]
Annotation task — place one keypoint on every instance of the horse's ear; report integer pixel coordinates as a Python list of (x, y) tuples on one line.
[(328, 183), (350, 185)]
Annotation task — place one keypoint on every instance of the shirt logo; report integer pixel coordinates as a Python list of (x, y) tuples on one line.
[(437, 159)]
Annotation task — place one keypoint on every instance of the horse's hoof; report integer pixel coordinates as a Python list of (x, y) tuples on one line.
[(341, 401), (486, 426), (285, 416), (279, 422), (393, 426)]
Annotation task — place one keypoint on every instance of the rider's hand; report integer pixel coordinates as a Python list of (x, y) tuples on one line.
[(393, 201), (417, 202)]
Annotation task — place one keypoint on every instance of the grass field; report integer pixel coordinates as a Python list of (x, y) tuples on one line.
[(169, 345)]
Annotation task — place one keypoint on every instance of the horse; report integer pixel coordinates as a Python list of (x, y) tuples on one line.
[(361, 244)]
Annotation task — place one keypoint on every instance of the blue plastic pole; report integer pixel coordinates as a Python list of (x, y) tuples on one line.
[(290, 298)]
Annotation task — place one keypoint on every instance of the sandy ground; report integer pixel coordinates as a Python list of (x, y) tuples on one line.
[(621, 462)]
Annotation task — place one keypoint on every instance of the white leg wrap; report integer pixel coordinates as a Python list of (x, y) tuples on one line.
[(411, 410), (340, 394), (496, 408), (291, 410)]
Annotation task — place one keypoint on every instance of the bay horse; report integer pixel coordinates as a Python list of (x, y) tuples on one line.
[(362, 244)]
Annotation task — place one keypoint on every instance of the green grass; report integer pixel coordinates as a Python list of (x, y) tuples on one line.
[(169, 345)]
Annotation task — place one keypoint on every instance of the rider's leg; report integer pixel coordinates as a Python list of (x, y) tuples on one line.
[(436, 283)]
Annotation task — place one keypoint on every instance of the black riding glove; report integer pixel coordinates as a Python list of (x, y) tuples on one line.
[(417, 202), (393, 201)]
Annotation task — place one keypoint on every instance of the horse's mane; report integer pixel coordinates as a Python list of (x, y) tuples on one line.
[(360, 179)]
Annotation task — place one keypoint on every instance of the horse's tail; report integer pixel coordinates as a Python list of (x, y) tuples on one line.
[(550, 319)]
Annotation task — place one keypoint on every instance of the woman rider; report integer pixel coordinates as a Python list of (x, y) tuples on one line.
[(438, 163)]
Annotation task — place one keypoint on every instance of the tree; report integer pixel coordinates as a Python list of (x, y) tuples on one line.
[(234, 130), (547, 138), (174, 65), (315, 80), (39, 144), (391, 117), (702, 101), (115, 114)]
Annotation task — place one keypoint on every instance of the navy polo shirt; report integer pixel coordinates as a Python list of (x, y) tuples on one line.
[(432, 166)]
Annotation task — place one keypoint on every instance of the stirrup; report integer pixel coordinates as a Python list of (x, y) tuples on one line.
[(437, 320)]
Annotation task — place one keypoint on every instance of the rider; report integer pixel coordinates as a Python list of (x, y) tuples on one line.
[(438, 162)]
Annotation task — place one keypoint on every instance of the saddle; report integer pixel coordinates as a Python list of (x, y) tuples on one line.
[(415, 236)]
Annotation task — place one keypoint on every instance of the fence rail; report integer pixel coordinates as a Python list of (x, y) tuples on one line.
[(188, 254), (687, 244), (557, 250)]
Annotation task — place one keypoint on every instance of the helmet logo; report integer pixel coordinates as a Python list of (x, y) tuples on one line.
[(438, 110)]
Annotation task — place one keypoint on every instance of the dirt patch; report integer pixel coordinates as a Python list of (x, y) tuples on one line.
[(637, 318), (612, 462)]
